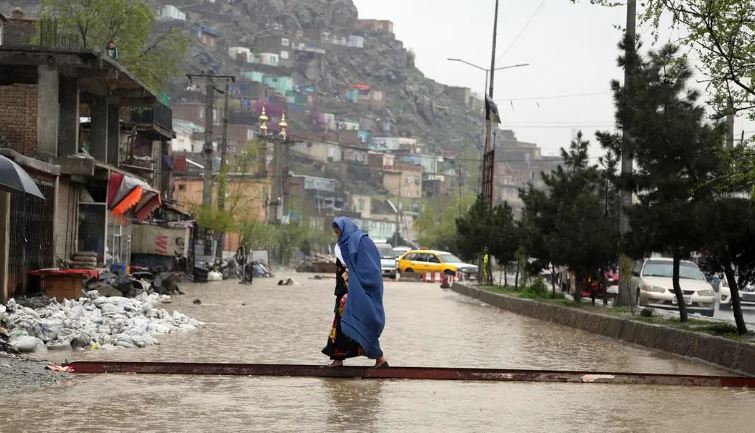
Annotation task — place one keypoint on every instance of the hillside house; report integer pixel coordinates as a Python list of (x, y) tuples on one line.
[(208, 36), (379, 26), (364, 94), (170, 13), (318, 150), (403, 181)]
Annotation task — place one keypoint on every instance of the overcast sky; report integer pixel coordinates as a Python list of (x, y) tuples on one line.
[(572, 50)]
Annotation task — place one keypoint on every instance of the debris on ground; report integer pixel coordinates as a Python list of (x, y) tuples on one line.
[(286, 282), (317, 263), (92, 321), (197, 302), (20, 373)]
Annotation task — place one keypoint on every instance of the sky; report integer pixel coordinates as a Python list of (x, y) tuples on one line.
[(571, 49)]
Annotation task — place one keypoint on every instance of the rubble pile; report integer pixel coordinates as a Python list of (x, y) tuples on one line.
[(93, 321), (317, 263)]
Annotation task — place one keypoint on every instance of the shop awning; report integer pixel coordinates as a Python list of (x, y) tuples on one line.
[(126, 193)]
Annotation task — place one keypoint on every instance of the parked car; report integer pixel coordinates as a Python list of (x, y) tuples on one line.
[(746, 295), (434, 261), (387, 259), (653, 286)]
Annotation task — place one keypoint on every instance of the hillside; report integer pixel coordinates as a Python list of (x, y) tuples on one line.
[(413, 105)]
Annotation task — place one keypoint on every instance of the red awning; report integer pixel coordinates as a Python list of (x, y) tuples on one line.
[(126, 193)]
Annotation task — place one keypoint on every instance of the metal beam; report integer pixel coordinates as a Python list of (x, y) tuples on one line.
[(406, 373)]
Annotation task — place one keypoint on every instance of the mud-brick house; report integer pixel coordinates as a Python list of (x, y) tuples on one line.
[(65, 116)]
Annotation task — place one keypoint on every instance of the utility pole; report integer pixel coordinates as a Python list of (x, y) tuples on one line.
[(398, 210), (489, 155), (223, 168), (207, 149), (625, 194)]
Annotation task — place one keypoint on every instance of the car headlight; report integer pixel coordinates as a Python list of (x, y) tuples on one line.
[(657, 289), (706, 292)]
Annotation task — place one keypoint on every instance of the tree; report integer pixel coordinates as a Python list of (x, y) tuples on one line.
[(436, 225), (473, 230), (504, 235), (730, 246), (130, 23), (677, 155), (568, 223)]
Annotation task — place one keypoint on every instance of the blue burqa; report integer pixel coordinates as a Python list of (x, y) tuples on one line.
[(363, 317)]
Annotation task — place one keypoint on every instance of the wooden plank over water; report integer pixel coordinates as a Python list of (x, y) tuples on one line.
[(409, 373)]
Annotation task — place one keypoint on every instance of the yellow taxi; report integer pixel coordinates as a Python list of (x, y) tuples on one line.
[(433, 261)]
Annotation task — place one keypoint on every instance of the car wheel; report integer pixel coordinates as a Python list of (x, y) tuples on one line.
[(408, 270), (724, 306), (708, 313), (449, 273)]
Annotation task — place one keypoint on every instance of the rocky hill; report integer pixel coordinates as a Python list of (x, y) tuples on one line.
[(414, 105)]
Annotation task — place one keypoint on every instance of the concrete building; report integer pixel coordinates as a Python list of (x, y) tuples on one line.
[(89, 206), (380, 26), (517, 165), (170, 13), (323, 151), (246, 198), (403, 181)]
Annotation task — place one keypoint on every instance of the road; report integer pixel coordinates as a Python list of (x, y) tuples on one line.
[(426, 326)]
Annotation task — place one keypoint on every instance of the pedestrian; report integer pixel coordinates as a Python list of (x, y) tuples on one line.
[(487, 275), (241, 259), (339, 346), (359, 315), (112, 50)]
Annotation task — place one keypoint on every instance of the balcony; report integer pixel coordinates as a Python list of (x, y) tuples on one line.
[(158, 119)]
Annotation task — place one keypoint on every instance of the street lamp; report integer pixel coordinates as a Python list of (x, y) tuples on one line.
[(487, 70)]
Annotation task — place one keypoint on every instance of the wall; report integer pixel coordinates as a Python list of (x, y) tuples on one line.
[(411, 182), (735, 355), (247, 195), (18, 117)]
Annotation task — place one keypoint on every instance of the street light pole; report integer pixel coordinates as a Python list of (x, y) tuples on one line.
[(489, 155), (624, 296)]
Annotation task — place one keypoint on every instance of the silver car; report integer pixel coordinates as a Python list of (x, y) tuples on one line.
[(653, 286), (387, 259), (746, 295)]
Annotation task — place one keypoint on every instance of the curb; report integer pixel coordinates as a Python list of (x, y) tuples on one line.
[(733, 355)]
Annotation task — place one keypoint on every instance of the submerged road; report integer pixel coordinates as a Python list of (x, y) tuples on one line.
[(426, 326)]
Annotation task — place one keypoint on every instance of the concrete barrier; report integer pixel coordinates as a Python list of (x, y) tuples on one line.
[(734, 355)]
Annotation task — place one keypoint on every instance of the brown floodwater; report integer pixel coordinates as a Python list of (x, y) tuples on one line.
[(426, 326)]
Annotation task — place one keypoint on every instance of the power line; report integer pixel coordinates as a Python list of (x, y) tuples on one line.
[(516, 38), (570, 95)]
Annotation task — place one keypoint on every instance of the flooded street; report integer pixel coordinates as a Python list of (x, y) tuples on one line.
[(426, 326)]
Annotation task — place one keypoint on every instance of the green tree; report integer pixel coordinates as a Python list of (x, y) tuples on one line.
[(436, 224), (154, 58), (504, 239), (473, 230), (568, 224), (730, 246), (677, 156)]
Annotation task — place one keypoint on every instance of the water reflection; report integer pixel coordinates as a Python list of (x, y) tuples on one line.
[(356, 404)]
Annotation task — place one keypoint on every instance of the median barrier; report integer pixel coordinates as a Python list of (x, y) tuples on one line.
[(734, 355)]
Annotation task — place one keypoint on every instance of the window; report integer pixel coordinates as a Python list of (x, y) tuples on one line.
[(432, 258), (284, 55), (182, 187), (285, 42)]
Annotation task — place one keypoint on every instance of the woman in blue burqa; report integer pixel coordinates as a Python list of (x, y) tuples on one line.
[(359, 317)]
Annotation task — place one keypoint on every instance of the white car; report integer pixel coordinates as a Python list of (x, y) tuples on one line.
[(746, 295), (653, 286)]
